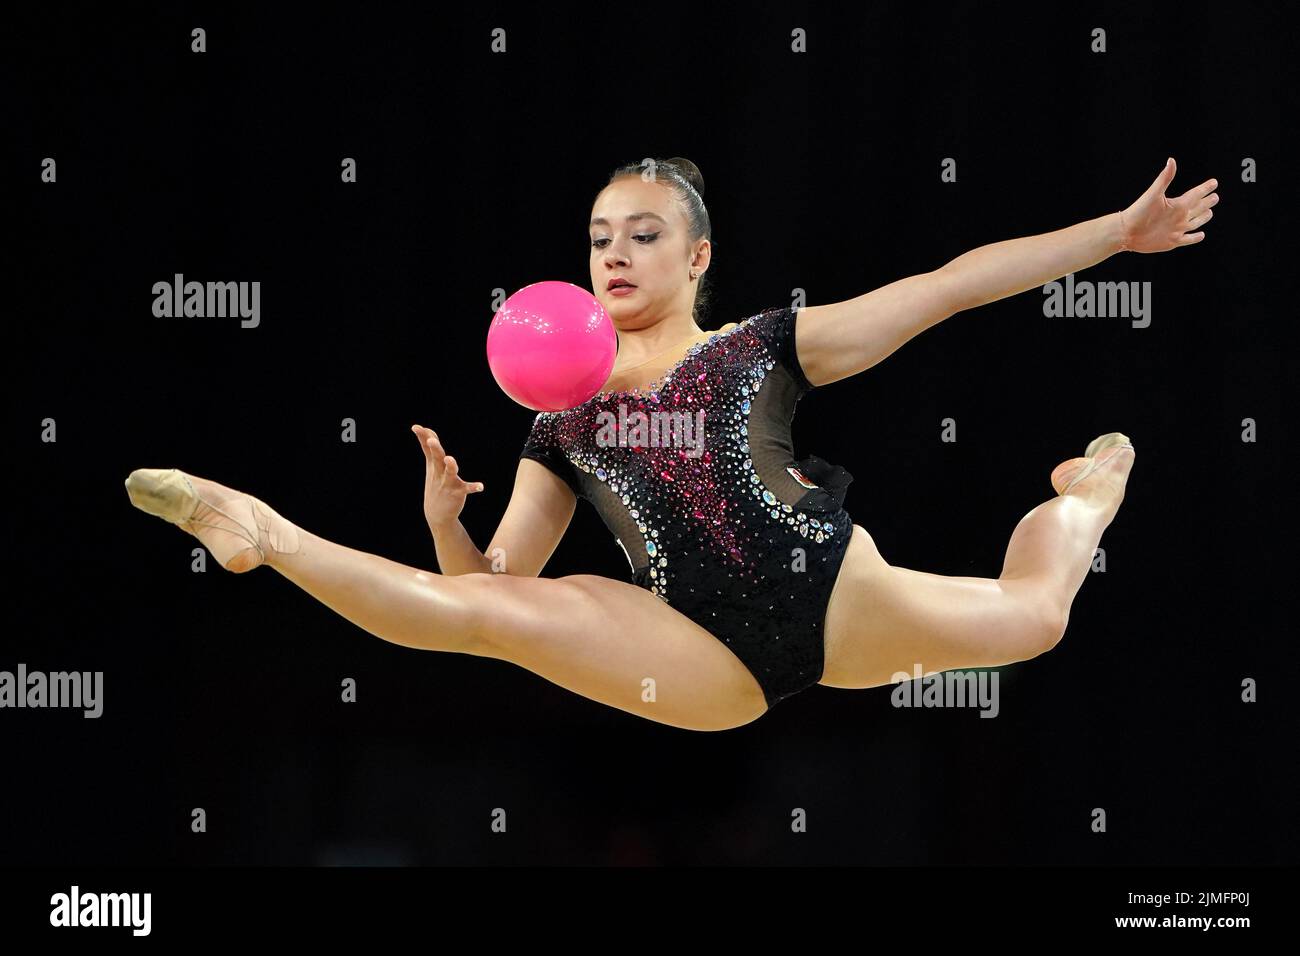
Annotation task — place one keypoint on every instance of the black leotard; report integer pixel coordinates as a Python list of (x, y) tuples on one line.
[(730, 530)]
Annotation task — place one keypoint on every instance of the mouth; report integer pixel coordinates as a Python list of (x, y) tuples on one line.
[(618, 284)]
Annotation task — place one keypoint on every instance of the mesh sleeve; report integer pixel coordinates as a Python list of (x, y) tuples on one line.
[(776, 328), (541, 447)]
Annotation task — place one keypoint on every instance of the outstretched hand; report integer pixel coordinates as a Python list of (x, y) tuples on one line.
[(444, 490), (1156, 223)]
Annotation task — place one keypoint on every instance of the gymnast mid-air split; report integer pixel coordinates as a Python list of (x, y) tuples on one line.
[(749, 581)]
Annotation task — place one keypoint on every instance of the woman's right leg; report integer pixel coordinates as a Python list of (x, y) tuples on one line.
[(609, 641)]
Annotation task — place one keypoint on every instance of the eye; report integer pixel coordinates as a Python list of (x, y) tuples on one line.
[(649, 236)]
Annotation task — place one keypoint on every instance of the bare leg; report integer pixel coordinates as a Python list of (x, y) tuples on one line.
[(606, 640), (392, 601), (1052, 548), (884, 620)]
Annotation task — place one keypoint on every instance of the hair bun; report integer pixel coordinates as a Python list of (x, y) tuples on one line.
[(690, 172)]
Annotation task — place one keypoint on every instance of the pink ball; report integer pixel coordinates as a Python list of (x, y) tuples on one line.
[(551, 346)]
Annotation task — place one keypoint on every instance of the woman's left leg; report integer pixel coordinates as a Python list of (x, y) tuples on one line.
[(885, 620)]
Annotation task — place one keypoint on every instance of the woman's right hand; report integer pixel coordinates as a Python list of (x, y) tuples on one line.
[(444, 491)]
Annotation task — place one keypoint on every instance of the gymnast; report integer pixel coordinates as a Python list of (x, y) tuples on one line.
[(749, 582)]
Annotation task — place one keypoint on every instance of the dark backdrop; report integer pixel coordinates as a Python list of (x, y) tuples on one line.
[(477, 172)]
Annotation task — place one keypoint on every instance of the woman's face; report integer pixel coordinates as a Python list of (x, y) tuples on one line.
[(639, 233)]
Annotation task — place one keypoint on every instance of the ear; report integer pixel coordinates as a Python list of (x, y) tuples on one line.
[(703, 255)]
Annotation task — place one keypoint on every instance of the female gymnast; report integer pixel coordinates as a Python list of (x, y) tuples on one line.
[(749, 580)]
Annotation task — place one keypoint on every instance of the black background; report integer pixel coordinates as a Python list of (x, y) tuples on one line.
[(477, 172)]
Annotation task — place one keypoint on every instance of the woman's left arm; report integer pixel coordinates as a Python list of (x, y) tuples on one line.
[(843, 339)]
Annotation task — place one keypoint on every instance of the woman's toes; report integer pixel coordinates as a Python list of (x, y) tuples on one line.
[(1116, 463), (1101, 479), (240, 531), (221, 518), (1109, 440), (162, 492)]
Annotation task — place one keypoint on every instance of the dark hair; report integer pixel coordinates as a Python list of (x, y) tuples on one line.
[(684, 178)]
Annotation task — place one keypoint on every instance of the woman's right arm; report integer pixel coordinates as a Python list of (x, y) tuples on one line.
[(540, 509), (456, 552)]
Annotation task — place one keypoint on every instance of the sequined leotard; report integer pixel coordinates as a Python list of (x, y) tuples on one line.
[(720, 522)]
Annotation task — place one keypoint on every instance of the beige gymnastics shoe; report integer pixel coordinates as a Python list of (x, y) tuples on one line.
[(1100, 450), (236, 528)]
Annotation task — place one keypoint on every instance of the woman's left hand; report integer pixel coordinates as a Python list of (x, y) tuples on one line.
[(1155, 223)]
